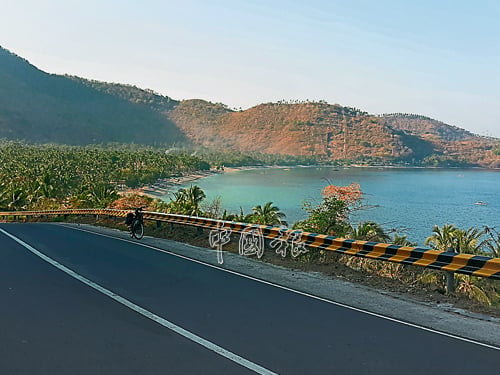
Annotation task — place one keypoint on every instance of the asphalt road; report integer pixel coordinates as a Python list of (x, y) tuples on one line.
[(52, 323)]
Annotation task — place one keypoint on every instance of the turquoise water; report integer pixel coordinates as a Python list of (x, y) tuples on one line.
[(412, 200)]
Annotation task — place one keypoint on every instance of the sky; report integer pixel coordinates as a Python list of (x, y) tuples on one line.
[(439, 58)]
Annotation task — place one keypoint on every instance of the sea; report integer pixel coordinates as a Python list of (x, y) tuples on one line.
[(404, 200)]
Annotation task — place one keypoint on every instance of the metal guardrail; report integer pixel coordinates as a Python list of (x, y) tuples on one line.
[(281, 239)]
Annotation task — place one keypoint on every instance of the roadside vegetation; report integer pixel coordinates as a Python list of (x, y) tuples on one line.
[(39, 177), (332, 216), (53, 176)]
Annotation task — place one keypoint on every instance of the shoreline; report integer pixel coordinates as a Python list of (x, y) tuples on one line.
[(166, 186)]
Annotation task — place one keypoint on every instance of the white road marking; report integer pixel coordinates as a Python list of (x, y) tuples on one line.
[(295, 291), (148, 314)]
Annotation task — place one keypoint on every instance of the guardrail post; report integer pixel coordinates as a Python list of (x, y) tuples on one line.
[(158, 224), (450, 282), (450, 276)]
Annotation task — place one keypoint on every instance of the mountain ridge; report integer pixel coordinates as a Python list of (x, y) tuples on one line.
[(41, 107)]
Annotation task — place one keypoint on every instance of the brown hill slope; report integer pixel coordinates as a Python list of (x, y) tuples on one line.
[(313, 129), (333, 132), (425, 127), (41, 107), (446, 140)]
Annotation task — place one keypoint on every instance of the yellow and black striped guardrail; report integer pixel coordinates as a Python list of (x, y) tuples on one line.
[(440, 260)]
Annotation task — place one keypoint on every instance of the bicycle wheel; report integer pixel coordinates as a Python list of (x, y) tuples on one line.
[(138, 230)]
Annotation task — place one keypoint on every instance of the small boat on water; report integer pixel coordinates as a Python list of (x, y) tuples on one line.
[(480, 203)]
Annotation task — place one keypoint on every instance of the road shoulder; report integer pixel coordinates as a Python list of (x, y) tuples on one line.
[(440, 317)]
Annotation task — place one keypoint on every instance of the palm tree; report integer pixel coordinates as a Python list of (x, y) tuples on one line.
[(368, 231), (101, 195), (492, 243), (443, 238), (469, 241), (402, 240), (268, 215), (188, 201), (240, 217)]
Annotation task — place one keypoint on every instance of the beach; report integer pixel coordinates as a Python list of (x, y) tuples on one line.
[(166, 186)]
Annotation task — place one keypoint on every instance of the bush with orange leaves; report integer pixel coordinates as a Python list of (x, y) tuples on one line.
[(350, 194), (131, 201)]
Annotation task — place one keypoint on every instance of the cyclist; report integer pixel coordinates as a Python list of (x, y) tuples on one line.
[(135, 223)]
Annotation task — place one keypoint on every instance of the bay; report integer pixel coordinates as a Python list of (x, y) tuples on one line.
[(411, 200)]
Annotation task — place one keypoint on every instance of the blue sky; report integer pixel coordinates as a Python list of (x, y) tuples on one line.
[(437, 58)]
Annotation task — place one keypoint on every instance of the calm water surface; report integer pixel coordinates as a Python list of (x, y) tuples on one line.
[(411, 199)]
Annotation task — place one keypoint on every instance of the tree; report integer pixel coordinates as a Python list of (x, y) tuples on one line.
[(443, 238), (402, 241), (329, 217), (368, 231), (188, 201), (469, 241), (241, 217), (493, 242), (462, 241), (350, 194), (268, 215)]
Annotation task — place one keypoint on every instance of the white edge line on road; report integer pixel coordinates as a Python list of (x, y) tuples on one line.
[(148, 314), (293, 290)]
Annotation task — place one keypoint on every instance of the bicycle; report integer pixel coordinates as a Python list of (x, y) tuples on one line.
[(136, 223)]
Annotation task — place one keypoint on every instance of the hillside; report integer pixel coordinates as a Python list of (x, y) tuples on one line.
[(40, 107), (310, 129), (425, 127), (332, 132), (446, 140), (144, 97)]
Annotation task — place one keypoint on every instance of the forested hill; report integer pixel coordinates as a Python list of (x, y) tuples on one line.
[(40, 107), (145, 97)]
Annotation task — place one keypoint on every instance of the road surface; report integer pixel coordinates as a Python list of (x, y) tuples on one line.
[(74, 302)]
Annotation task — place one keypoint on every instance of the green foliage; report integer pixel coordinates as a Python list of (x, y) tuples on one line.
[(402, 240), (40, 107), (492, 243), (240, 217), (443, 238), (328, 217), (442, 161), (449, 237), (368, 231), (58, 176), (240, 159), (187, 201), (267, 215)]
